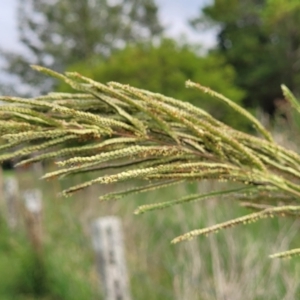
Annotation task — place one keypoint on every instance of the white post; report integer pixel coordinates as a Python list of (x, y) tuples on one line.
[(108, 244), (11, 196), (33, 217)]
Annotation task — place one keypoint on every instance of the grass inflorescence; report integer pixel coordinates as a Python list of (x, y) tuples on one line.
[(130, 133)]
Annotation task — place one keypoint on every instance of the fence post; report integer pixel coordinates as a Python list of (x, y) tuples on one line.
[(33, 218), (11, 196), (108, 244)]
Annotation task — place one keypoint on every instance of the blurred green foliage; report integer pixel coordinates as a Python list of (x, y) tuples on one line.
[(261, 41), (51, 276), (25, 277), (232, 263)]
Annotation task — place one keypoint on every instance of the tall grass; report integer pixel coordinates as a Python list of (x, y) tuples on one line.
[(229, 265)]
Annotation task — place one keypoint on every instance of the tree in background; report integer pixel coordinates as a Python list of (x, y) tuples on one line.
[(163, 69), (261, 40), (59, 33)]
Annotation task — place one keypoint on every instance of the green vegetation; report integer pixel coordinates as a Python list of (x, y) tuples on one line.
[(231, 264), (50, 276), (25, 277), (260, 40)]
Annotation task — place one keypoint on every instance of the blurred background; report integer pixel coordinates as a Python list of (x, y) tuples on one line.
[(243, 49)]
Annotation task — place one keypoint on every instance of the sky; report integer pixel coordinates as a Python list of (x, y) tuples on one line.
[(8, 25), (173, 13)]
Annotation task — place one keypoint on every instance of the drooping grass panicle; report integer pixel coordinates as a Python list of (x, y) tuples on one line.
[(117, 133)]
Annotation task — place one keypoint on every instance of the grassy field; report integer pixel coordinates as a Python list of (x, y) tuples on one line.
[(233, 264)]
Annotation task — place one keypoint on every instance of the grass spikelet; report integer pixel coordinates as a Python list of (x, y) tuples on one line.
[(250, 218), (128, 151), (286, 254), (190, 198), (33, 135), (31, 149), (138, 190)]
